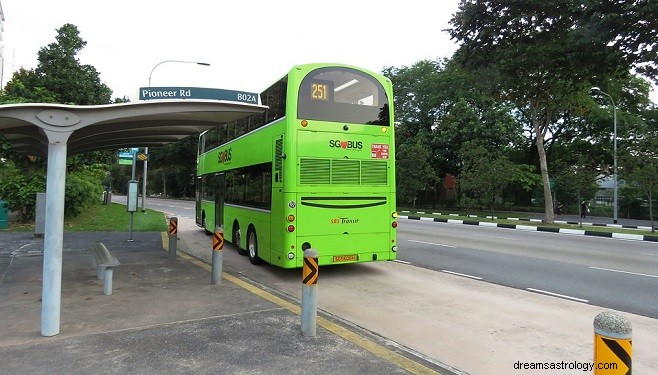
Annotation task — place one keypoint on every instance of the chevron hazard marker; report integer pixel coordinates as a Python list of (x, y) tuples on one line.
[(613, 352), (310, 292)]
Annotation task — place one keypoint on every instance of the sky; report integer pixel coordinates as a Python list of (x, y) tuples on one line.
[(248, 44)]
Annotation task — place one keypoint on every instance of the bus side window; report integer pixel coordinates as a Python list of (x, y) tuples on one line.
[(241, 126), (222, 134)]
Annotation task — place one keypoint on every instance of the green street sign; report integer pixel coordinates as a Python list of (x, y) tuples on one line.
[(178, 93)]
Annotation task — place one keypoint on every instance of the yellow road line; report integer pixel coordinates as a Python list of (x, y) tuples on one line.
[(378, 350)]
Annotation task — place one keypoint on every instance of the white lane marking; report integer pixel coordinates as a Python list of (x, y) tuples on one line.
[(651, 255), (431, 243), (401, 261), (627, 272), (558, 295), (462, 274)]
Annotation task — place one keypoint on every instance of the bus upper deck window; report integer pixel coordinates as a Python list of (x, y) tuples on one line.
[(342, 95)]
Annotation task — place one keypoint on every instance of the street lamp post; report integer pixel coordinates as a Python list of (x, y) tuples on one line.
[(175, 61), (614, 141), (146, 149)]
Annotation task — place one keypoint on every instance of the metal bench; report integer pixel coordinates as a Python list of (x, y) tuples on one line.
[(104, 261)]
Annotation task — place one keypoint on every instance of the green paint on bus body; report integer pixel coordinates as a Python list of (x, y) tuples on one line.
[(317, 169)]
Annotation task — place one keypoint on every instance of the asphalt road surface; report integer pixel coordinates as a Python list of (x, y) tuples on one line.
[(612, 273)]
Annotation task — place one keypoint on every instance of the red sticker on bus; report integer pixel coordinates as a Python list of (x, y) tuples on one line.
[(379, 151)]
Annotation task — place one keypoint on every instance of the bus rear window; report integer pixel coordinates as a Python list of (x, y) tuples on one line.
[(342, 95)]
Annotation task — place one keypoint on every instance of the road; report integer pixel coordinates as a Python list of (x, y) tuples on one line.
[(612, 273)]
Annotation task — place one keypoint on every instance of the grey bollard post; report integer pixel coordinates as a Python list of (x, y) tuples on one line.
[(173, 237), (107, 282), (613, 351), (310, 273), (217, 255)]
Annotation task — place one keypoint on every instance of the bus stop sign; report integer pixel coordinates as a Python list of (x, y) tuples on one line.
[(178, 93)]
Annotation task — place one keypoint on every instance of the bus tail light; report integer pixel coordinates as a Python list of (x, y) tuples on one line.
[(394, 215), (394, 224), (291, 228), (291, 218), (394, 249)]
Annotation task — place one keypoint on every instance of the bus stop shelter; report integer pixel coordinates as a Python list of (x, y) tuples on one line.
[(54, 131)]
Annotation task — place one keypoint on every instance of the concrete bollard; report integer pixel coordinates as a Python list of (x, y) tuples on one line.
[(310, 273), (612, 344), (217, 255), (107, 282), (173, 237)]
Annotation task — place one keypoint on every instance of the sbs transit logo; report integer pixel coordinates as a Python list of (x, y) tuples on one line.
[(224, 156), (346, 145)]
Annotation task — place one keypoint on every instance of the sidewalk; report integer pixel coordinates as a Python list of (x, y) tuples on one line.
[(164, 317)]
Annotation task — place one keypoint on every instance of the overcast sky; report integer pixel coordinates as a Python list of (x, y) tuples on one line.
[(249, 43)]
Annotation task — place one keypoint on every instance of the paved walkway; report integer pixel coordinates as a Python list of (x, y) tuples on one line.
[(164, 317)]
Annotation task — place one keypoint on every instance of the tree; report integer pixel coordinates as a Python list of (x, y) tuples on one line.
[(444, 103), (58, 78), (486, 173), (174, 181), (414, 173), (491, 125), (639, 161), (630, 27), (542, 53)]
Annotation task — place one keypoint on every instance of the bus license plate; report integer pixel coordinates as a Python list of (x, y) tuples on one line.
[(346, 258)]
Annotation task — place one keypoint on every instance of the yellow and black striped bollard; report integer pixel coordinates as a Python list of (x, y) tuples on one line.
[(613, 352), (310, 273), (173, 237), (217, 255)]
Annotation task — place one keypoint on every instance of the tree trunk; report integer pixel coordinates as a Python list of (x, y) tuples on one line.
[(543, 166)]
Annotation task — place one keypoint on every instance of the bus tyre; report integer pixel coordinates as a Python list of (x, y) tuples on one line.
[(252, 246), (203, 223), (236, 239)]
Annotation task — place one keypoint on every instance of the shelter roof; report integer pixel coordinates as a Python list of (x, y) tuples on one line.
[(29, 127)]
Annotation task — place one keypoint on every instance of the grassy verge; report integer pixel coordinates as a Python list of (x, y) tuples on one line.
[(111, 218)]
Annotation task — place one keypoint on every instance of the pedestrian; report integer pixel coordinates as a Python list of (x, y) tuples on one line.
[(583, 209)]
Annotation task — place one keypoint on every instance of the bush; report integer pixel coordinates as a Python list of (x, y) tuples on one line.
[(83, 189), (19, 189)]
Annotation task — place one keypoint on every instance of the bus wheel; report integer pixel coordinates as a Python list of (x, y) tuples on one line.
[(252, 246), (203, 223), (236, 238)]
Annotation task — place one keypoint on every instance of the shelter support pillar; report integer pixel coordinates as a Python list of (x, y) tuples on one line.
[(51, 293)]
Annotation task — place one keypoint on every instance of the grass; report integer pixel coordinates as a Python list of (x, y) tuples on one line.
[(111, 218)]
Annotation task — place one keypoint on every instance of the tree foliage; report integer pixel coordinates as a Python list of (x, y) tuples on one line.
[(58, 78), (639, 163), (414, 173), (543, 54)]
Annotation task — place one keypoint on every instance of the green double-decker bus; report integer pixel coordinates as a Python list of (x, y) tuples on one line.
[(315, 170)]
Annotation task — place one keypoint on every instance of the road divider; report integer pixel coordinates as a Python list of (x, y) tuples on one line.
[(623, 236)]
